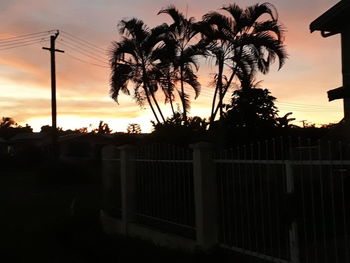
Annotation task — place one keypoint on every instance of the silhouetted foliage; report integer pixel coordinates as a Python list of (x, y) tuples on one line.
[(284, 122), (103, 128), (177, 130), (252, 108), (133, 128), (9, 128), (49, 129)]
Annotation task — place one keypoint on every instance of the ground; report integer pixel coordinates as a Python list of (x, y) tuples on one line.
[(38, 224)]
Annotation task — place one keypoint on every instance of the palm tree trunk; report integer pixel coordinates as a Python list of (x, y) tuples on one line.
[(146, 84), (184, 114), (150, 103), (221, 68), (170, 93), (224, 91), (218, 89), (157, 105), (213, 106), (172, 106)]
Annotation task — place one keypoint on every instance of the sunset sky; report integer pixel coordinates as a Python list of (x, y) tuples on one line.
[(313, 66)]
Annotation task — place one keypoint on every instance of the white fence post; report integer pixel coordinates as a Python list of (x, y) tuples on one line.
[(205, 195), (128, 185), (110, 159), (293, 229)]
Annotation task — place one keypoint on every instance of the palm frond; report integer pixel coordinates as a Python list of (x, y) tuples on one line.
[(185, 99), (133, 27), (253, 12), (237, 15), (218, 23), (172, 11), (191, 79), (122, 49), (270, 26), (121, 74)]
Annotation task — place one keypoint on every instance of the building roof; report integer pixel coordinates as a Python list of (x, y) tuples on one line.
[(333, 20)]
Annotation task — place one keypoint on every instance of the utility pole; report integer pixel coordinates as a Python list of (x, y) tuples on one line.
[(53, 50)]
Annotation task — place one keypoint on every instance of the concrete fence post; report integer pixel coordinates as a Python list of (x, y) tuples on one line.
[(205, 195), (128, 184), (110, 158)]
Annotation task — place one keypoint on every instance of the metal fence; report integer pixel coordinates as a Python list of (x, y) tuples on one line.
[(281, 200), (164, 188), (285, 201)]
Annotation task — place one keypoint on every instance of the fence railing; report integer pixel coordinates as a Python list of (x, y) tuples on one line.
[(280, 200), (164, 188)]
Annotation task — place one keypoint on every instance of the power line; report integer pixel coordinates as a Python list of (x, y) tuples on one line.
[(83, 53), (80, 43), (15, 41), (84, 49), (84, 41), (84, 61), (23, 45), (22, 42), (26, 36), (306, 106)]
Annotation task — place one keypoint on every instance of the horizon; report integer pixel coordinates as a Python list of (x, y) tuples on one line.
[(300, 86)]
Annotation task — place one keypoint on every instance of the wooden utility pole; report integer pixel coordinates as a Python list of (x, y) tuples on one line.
[(53, 50)]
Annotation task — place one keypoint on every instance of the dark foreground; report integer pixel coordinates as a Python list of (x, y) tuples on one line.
[(40, 224)]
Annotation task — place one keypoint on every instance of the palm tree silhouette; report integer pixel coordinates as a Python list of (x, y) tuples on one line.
[(180, 38), (241, 42), (132, 60)]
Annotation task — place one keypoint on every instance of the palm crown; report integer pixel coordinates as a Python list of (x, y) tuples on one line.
[(242, 42)]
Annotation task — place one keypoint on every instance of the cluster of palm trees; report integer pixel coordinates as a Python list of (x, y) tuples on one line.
[(240, 42)]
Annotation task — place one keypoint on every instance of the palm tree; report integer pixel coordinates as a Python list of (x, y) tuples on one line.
[(132, 61), (241, 42), (164, 71), (180, 37)]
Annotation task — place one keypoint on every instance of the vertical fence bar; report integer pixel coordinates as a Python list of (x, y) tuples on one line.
[(342, 170), (240, 198), (255, 216), (276, 201), (303, 201), (233, 197), (246, 197), (261, 201), (323, 214), (345, 227), (312, 193), (268, 192), (205, 190), (331, 181), (225, 207), (293, 230)]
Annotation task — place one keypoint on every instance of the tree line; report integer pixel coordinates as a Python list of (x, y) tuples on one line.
[(9, 128), (166, 58)]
